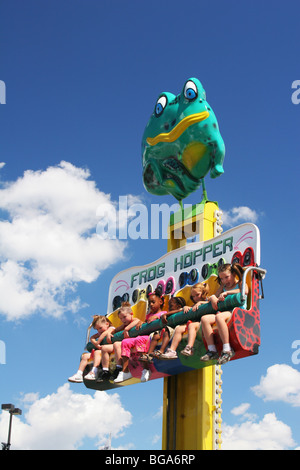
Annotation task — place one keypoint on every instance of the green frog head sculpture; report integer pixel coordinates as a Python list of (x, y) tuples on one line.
[(181, 143)]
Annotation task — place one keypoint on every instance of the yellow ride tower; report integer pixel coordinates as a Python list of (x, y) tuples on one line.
[(190, 404)]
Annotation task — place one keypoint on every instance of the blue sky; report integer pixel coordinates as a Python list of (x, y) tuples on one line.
[(82, 78)]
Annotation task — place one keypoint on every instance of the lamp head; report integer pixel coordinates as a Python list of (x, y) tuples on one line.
[(11, 408), (8, 407)]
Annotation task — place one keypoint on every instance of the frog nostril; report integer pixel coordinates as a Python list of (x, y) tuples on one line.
[(167, 125)]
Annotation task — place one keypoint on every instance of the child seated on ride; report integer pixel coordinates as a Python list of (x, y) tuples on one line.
[(230, 282), (103, 327), (140, 343), (199, 293), (125, 315), (176, 304)]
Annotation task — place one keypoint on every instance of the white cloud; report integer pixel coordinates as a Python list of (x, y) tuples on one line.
[(281, 383), (30, 397), (159, 413), (156, 438), (267, 434), (239, 215), (48, 242), (2, 164), (241, 409), (62, 420)]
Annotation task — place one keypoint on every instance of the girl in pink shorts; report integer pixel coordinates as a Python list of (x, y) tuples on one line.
[(140, 343)]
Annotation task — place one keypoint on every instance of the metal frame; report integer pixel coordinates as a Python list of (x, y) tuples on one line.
[(262, 272)]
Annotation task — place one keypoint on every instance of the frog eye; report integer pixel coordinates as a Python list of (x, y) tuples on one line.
[(190, 90), (160, 105)]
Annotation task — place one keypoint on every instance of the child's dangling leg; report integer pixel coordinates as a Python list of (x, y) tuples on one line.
[(93, 374), (126, 346), (78, 377), (193, 328), (227, 352), (171, 351), (207, 321)]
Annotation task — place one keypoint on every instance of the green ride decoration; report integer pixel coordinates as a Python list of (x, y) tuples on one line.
[(181, 143)]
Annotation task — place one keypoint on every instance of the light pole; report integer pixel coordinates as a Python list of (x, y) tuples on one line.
[(12, 411)]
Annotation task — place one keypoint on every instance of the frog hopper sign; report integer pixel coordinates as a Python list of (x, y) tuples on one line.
[(192, 263)]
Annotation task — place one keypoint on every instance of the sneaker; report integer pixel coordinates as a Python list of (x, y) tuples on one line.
[(209, 356), (145, 375), (115, 373), (187, 351), (76, 378), (169, 354), (104, 376), (90, 376), (225, 356), (122, 377)]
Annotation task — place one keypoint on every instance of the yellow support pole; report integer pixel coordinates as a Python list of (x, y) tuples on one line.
[(189, 398)]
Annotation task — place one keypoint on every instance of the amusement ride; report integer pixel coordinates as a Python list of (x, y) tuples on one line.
[(180, 146)]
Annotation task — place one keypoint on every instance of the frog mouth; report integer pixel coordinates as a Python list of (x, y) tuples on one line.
[(179, 129), (169, 177)]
